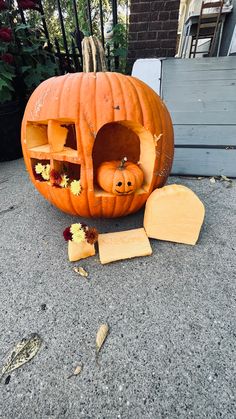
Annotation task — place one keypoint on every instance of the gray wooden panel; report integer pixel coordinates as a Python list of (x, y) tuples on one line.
[(201, 97), (205, 118), (204, 87), (203, 76), (205, 135), (202, 106), (204, 162), (199, 64), (208, 92)]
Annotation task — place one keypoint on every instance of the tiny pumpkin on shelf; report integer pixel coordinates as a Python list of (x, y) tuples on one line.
[(120, 177)]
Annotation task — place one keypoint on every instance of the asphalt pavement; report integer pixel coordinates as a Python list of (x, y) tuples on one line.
[(170, 352)]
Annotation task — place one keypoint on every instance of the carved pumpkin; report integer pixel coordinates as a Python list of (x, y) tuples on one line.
[(76, 122), (119, 177)]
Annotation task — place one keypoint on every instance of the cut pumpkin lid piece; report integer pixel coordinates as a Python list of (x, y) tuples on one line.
[(123, 245), (174, 213)]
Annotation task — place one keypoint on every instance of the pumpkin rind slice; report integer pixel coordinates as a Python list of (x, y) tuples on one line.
[(123, 245)]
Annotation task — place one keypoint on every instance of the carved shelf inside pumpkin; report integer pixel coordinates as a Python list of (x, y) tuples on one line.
[(44, 152)]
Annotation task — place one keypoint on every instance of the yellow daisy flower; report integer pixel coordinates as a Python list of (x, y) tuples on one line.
[(78, 233), (74, 228), (64, 182), (75, 187), (78, 236), (46, 172), (39, 168)]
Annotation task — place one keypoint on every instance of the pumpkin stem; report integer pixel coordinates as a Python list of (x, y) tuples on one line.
[(122, 163)]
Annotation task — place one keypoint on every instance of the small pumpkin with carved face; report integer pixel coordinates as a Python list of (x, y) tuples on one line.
[(119, 177)]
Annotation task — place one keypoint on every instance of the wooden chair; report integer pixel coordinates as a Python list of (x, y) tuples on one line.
[(207, 28)]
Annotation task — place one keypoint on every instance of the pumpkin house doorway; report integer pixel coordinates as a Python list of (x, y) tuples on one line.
[(116, 140)]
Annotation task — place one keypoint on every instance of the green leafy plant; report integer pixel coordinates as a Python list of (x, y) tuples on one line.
[(25, 60), (118, 46)]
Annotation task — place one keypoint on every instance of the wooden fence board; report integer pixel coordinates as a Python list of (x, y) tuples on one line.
[(203, 117), (186, 105), (205, 162), (203, 76), (201, 97), (207, 92), (205, 135), (201, 64)]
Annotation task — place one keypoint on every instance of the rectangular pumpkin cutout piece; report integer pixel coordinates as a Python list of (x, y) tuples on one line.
[(56, 135), (123, 245)]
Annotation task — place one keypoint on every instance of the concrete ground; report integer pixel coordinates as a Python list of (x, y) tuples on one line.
[(171, 349)]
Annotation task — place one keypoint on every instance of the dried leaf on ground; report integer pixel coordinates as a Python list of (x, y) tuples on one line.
[(101, 336), (81, 271), (77, 371), (23, 352), (223, 177), (212, 180)]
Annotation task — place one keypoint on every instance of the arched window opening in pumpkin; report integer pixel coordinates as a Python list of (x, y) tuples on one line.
[(120, 140)]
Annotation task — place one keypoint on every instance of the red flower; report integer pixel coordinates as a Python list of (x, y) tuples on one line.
[(5, 34), (3, 5), (27, 4), (8, 58), (91, 235), (67, 234), (55, 178), (37, 176)]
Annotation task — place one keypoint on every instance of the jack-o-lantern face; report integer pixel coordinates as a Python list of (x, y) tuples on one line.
[(124, 186), (119, 177), (74, 124)]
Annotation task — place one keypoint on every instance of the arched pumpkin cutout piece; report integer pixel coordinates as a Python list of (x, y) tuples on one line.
[(174, 213)]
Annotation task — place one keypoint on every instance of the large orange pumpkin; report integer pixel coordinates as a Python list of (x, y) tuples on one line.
[(78, 121)]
